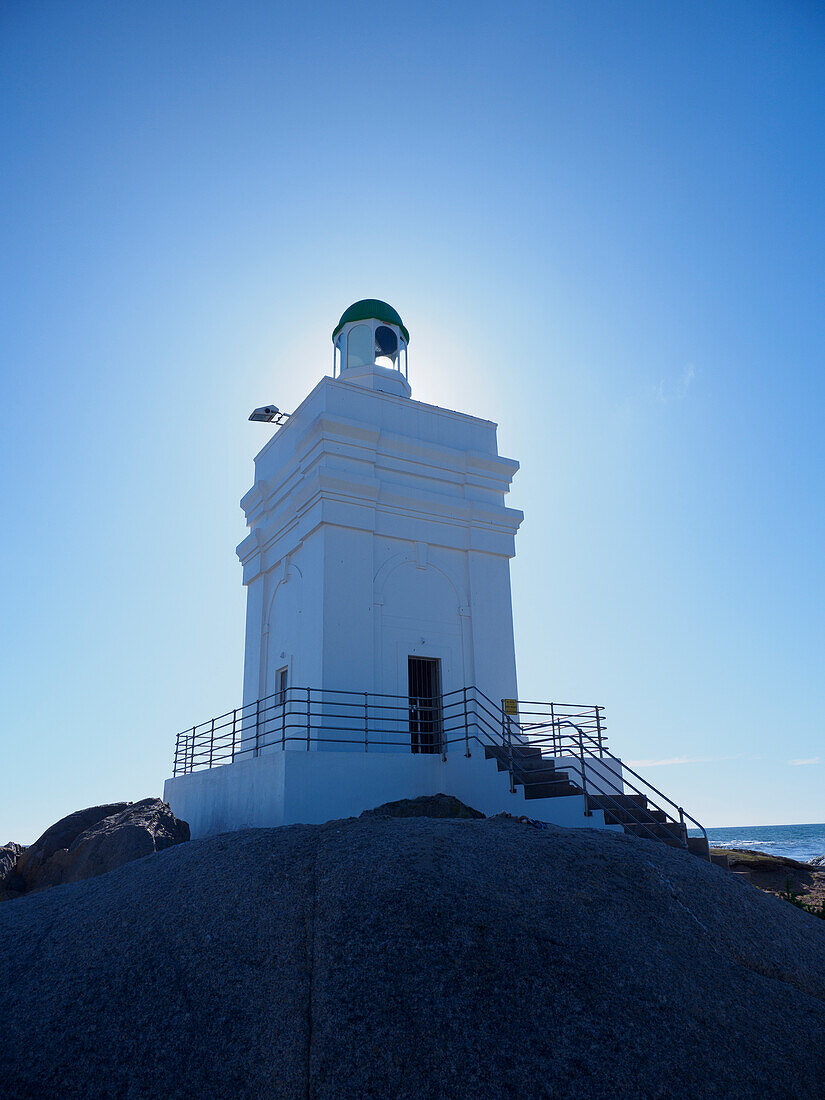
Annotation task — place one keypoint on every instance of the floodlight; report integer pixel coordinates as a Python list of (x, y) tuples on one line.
[(268, 414)]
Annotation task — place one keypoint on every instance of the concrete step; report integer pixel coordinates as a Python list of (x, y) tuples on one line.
[(523, 759), (626, 807), (530, 771), (616, 801), (670, 834), (629, 816), (535, 775), (520, 752), (539, 778), (533, 763), (560, 788), (699, 846)]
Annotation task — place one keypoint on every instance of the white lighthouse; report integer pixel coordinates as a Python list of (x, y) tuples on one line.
[(379, 655), (378, 558)]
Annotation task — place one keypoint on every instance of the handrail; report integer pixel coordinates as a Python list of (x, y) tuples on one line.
[(603, 755), (626, 808), (317, 717), (641, 778), (619, 808), (331, 715)]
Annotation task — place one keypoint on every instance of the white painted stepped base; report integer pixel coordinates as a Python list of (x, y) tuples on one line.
[(297, 787)]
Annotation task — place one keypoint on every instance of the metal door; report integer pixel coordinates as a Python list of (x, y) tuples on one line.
[(424, 679)]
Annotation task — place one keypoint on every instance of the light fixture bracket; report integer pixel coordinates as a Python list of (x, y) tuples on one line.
[(269, 414)]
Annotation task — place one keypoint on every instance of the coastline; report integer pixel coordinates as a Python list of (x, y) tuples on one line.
[(777, 875), (800, 842)]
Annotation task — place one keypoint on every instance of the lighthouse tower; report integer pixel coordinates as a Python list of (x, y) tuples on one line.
[(379, 654), (378, 555)]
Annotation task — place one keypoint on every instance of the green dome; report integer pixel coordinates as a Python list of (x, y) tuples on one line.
[(371, 309)]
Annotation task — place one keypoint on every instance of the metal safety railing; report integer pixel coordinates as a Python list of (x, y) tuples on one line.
[(549, 721), (569, 741), (576, 743), (314, 718)]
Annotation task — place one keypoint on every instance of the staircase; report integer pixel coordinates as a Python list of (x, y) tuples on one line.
[(635, 812)]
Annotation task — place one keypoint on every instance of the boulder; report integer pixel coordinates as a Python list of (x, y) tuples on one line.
[(430, 805), (11, 883), (818, 862), (9, 854), (60, 836), (96, 840)]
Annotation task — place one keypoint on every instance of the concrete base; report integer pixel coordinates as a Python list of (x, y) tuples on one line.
[(297, 787)]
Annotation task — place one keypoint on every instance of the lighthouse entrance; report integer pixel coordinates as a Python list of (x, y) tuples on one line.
[(424, 679)]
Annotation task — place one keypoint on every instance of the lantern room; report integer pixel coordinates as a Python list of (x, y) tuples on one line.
[(370, 343)]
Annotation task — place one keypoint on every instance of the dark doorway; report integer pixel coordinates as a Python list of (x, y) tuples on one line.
[(424, 678)]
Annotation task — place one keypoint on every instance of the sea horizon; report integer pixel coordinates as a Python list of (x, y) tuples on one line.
[(802, 841)]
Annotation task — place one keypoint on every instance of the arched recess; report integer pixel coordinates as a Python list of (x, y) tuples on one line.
[(419, 611), (409, 556), (282, 630)]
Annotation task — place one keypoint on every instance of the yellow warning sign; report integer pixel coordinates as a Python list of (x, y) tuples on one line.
[(511, 706)]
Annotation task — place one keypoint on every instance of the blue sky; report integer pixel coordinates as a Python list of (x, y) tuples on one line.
[(603, 224)]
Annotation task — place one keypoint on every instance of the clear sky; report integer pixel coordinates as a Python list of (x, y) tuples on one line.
[(604, 225)]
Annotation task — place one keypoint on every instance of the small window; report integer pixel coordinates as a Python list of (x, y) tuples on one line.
[(386, 342), (359, 347), (281, 683)]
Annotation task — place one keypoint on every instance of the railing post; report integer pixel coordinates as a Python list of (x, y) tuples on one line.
[(587, 811), (211, 742), (366, 721), (439, 715), (466, 727), (257, 726), (507, 742), (599, 730), (234, 730), (284, 696), (684, 826), (308, 710), (192, 751), (553, 728)]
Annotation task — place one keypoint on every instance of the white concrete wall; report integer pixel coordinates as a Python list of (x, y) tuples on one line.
[(378, 530), (293, 787)]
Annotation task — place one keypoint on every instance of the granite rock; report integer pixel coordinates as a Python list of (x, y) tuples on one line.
[(11, 882), (96, 840), (412, 958), (431, 805)]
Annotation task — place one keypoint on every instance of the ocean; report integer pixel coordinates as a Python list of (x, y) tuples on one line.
[(802, 842)]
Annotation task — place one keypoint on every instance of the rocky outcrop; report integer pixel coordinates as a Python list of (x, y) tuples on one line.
[(431, 805), (11, 884), (59, 837), (412, 958), (778, 874), (96, 840)]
